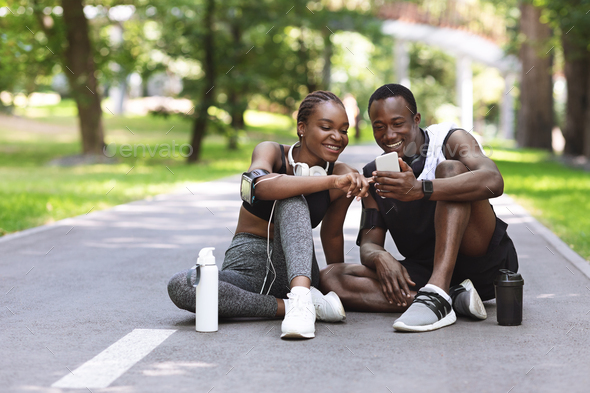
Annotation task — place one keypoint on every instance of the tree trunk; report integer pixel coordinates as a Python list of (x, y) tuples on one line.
[(201, 120), (577, 63), (80, 71), (304, 57), (232, 142), (536, 87), (236, 113), (328, 51), (237, 118), (587, 118)]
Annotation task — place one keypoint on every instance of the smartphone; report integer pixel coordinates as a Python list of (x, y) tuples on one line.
[(387, 162)]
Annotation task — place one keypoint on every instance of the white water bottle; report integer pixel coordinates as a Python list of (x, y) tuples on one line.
[(206, 287)]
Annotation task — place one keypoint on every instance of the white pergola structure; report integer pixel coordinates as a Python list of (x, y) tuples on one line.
[(466, 47)]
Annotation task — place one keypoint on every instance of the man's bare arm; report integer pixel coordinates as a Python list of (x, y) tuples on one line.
[(481, 181), (392, 275)]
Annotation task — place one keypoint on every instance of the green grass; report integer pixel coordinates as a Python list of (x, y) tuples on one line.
[(556, 195), (34, 193)]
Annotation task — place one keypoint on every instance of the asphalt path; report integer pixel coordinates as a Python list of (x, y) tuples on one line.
[(84, 307)]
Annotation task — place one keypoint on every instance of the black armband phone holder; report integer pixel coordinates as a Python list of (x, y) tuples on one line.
[(248, 183), (371, 218)]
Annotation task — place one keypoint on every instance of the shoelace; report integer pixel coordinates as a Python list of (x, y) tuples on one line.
[(298, 305), (456, 290), (433, 301)]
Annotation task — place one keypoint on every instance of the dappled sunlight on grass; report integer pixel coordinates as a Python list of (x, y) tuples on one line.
[(556, 195), (524, 155), (65, 108), (268, 120), (34, 193)]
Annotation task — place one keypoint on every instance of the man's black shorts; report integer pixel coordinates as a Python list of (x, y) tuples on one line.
[(480, 270)]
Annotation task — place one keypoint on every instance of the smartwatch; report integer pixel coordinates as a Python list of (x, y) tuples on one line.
[(427, 189), (248, 183)]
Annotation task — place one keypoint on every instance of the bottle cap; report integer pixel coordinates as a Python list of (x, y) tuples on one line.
[(206, 256), (506, 278)]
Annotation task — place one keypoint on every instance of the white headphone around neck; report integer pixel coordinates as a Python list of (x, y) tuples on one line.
[(302, 169)]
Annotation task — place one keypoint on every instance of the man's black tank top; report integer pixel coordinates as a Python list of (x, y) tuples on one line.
[(411, 224), (317, 202)]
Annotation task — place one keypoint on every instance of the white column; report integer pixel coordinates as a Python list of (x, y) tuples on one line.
[(118, 92), (465, 92), (402, 62), (507, 107)]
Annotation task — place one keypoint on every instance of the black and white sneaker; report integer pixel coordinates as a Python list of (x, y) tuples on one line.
[(466, 301), (428, 311)]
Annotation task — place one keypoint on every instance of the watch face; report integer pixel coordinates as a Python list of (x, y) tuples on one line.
[(245, 189)]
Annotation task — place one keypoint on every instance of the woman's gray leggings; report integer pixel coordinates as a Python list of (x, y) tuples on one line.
[(245, 266)]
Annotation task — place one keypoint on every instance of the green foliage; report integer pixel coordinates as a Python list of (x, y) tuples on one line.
[(25, 57), (568, 17), (432, 73), (361, 64), (267, 53)]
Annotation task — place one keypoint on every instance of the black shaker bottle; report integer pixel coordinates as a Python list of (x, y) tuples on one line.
[(509, 298)]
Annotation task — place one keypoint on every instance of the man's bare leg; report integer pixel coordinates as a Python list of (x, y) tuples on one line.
[(432, 308), (358, 288), (465, 227)]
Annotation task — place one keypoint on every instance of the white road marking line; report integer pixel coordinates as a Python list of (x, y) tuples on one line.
[(110, 364)]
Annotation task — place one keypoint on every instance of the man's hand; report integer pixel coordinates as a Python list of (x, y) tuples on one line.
[(394, 279), (402, 185)]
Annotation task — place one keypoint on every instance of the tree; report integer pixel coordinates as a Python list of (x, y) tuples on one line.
[(200, 124), (79, 60), (535, 119), (569, 19), (576, 66)]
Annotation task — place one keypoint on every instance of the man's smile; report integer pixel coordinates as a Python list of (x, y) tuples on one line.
[(394, 145)]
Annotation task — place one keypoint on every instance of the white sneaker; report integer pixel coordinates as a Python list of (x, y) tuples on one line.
[(466, 301), (429, 311), (327, 308), (300, 316)]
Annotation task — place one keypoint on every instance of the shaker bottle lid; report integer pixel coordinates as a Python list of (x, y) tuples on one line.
[(507, 278)]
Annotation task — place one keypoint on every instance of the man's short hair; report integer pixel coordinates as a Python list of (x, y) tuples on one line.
[(394, 90)]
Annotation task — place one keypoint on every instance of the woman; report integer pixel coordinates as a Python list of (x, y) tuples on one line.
[(270, 265)]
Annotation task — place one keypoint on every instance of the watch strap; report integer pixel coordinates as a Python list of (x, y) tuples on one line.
[(427, 189)]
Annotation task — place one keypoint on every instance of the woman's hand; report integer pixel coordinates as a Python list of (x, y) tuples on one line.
[(353, 184)]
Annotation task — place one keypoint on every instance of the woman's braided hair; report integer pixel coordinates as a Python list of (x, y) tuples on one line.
[(309, 103)]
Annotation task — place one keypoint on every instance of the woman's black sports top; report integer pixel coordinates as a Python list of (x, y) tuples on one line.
[(317, 202)]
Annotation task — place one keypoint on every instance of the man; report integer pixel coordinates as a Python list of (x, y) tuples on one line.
[(437, 212)]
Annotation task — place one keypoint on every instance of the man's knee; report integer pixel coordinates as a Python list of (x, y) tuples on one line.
[(449, 168), (330, 277), (340, 277)]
